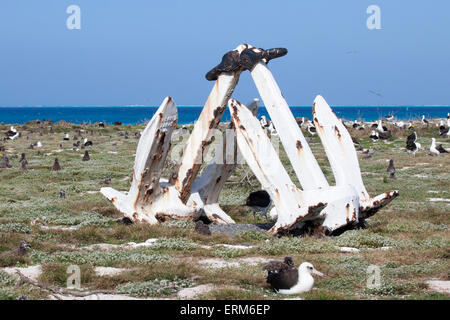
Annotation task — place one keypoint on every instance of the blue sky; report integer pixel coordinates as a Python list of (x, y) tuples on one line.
[(139, 51)]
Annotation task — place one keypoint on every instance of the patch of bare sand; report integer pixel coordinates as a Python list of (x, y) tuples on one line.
[(442, 286)]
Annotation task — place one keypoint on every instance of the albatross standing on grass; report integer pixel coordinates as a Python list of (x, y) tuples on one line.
[(380, 127), (285, 279), (259, 201), (436, 150), (391, 169), (272, 130)]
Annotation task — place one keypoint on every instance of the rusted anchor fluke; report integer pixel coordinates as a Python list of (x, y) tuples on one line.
[(246, 60)]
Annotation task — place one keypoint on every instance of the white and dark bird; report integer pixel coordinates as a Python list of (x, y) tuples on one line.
[(411, 145), (425, 121), (356, 124), (389, 118), (380, 127), (281, 274), (263, 122), (374, 136), (411, 138), (400, 124), (312, 129), (436, 150), (66, 137), (12, 133), (259, 201), (285, 279), (87, 143), (443, 130), (300, 121), (272, 130)]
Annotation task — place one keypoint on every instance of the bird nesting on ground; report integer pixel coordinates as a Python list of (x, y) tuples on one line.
[(21, 251), (202, 228), (285, 279), (391, 169), (12, 133), (444, 130), (56, 166), (312, 129), (87, 143), (259, 201), (367, 153), (385, 135), (436, 150), (62, 193), (374, 136), (5, 163), (125, 221), (105, 181)]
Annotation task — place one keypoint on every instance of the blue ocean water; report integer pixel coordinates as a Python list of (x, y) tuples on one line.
[(132, 115)]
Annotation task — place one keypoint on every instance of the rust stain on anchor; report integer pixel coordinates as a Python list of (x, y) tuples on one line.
[(338, 133)]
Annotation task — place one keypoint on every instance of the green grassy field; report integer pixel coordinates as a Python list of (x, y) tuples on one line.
[(413, 226)]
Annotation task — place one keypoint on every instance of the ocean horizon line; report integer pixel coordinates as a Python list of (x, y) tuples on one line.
[(197, 106), (189, 114)]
